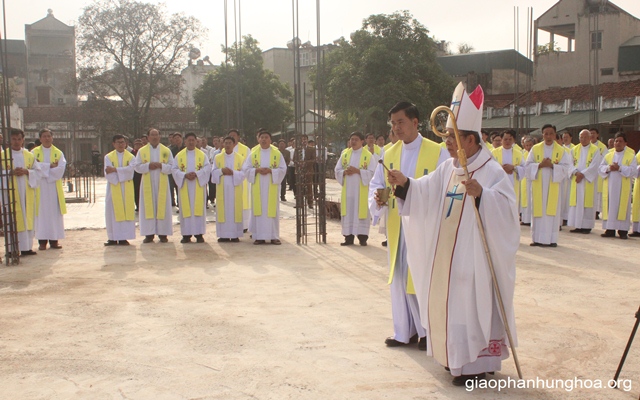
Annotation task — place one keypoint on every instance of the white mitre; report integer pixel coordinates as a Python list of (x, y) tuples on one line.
[(467, 109)]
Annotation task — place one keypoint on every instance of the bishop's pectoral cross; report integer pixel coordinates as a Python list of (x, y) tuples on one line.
[(453, 196)]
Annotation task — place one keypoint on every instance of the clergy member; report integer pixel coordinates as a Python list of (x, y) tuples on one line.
[(25, 174), (244, 151), (618, 169), (265, 169), (584, 179), (51, 204), (547, 167), (458, 305), (191, 172), (354, 171), (510, 156), (120, 205), (228, 177), (635, 211), (415, 156), (372, 146), (154, 162)]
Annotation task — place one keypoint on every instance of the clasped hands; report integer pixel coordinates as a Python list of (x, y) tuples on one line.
[(351, 170)]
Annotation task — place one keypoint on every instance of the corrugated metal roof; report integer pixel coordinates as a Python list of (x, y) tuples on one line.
[(484, 62)]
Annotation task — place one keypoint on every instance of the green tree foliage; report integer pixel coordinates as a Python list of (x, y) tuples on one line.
[(131, 53), (548, 48), (265, 101), (391, 58)]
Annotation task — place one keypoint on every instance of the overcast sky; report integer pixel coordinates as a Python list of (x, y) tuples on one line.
[(485, 25)]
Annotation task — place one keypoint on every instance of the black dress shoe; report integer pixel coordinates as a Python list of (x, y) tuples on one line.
[(634, 234), (414, 339), (463, 379), (391, 342), (608, 233), (577, 230), (163, 238), (348, 240), (199, 239), (623, 234), (525, 224), (28, 253), (259, 242), (234, 240), (535, 244), (123, 243), (223, 240), (422, 344), (186, 239), (384, 244), (586, 231), (111, 243), (553, 245), (148, 239), (363, 239)]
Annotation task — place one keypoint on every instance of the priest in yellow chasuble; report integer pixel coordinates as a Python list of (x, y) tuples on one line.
[(119, 201)]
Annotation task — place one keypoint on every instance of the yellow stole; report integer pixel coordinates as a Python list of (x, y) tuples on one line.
[(365, 158), (524, 198), (185, 205), (517, 159), (376, 149), (123, 208), (427, 162), (30, 193), (274, 161), (145, 156), (627, 158), (387, 146), (635, 211), (536, 185), (237, 165), (244, 152), (588, 186), (56, 155)]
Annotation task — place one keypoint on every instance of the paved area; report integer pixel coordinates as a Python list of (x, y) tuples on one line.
[(238, 321)]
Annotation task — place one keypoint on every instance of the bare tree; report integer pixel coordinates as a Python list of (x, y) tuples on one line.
[(465, 48), (132, 52)]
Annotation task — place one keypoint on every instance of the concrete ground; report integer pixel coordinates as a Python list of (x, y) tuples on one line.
[(238, 321)]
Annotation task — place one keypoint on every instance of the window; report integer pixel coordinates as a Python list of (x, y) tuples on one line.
[(596, 40), (606, 71), (44, 97)]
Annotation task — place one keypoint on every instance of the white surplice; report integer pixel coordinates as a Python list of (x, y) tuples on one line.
[(352, 224), (581, 217), (50, 221), (614, 180), (404, 307), (545, 229), (193, 225), (154, 226), (123, 230), (450, 270), (264, 227), (230, 229), (25, 238)]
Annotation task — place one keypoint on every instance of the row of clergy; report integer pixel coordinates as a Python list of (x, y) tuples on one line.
[(553, 184)]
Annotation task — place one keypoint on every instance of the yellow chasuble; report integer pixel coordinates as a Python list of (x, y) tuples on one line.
[(516, 159), (185, 205), (122, 208), (237, 197), (29, 192), (145, 155), (635, 210), (365, 159), (524, 198), (625, 192), (588, 186), (427, 162), (56, 155), (244, 152), (274, 161), (554, 187)]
